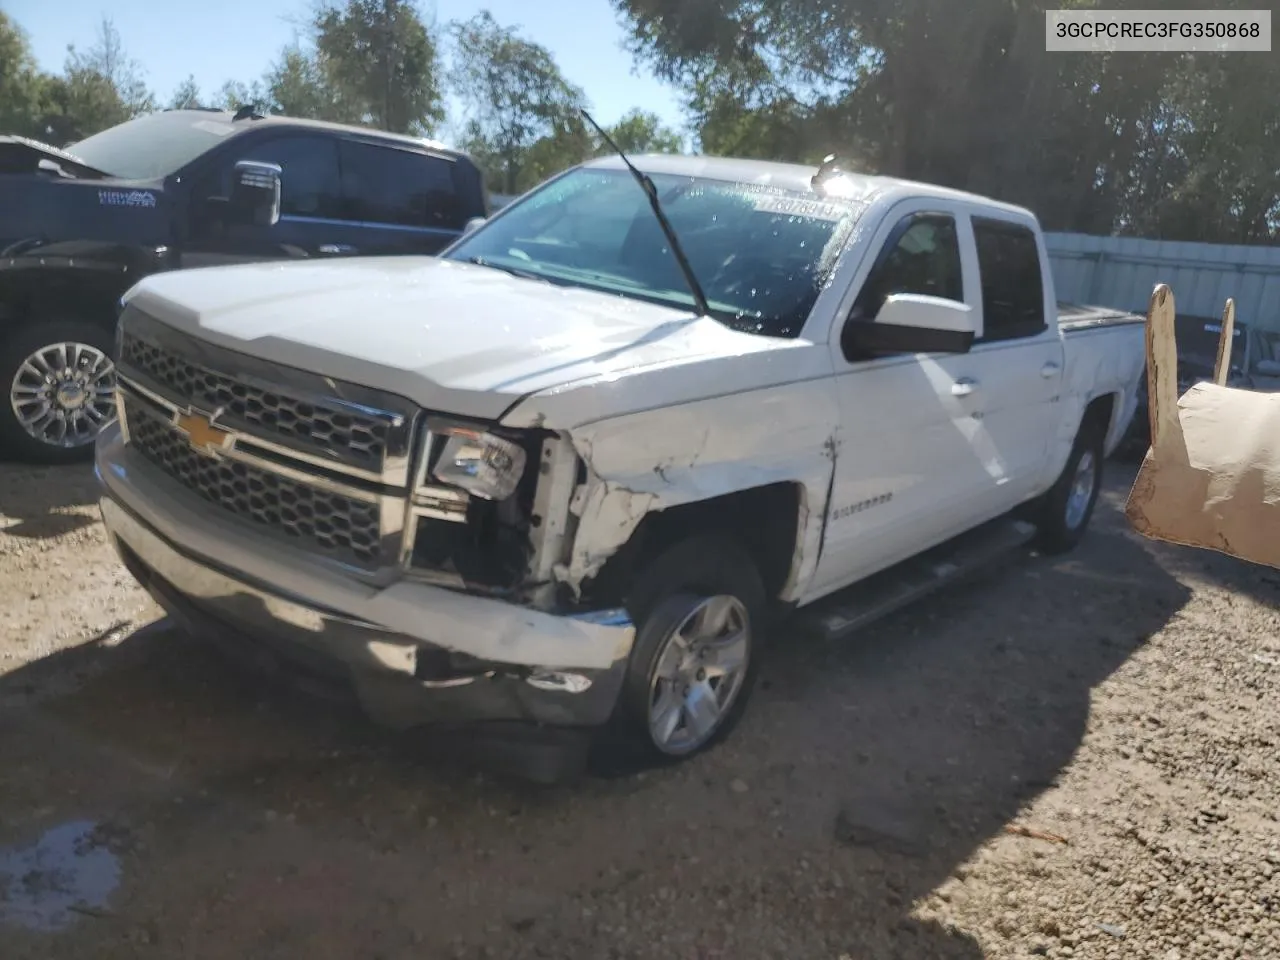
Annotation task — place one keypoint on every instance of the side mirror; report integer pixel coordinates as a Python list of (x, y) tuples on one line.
[(912, 323), (255, 193), (472, 225)]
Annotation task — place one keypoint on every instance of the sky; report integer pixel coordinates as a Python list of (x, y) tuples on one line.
[(238, 39)]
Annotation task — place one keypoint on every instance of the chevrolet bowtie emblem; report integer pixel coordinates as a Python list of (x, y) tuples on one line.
[(204, 436)]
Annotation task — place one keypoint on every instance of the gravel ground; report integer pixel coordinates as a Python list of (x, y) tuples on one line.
[(1066, 758)]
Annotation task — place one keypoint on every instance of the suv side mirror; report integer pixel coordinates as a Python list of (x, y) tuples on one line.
[(912, 323), (255, 193), (472, 225)]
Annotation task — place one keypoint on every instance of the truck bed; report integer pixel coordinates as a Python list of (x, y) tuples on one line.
[(1074, 316)]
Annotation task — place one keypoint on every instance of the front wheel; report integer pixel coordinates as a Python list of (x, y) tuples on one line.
[(700, 613), (1066, 509), (58, 383)]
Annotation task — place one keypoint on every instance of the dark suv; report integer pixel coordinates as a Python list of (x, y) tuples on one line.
[(176, 189)]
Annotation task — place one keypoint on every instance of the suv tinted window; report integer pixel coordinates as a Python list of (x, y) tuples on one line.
[(1012, 287), (921, 256), (309, 182), (403, 187)]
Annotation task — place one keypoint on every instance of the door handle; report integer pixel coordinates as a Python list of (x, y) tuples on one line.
[(1050, 369), (963, 387), (337, 248)]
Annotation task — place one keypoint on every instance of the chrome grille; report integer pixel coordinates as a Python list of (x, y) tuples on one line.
[(344, 434), (340, 526)]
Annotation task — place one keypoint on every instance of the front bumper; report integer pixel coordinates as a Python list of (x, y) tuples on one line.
[(432, 656)]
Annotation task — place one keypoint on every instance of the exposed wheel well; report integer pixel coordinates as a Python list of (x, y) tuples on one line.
[(1099, 414), (764, 520)]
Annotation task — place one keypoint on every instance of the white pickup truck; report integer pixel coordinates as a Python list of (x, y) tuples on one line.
[(568, 475)]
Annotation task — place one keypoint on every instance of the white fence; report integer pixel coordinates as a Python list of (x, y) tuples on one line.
[(1119, 272)]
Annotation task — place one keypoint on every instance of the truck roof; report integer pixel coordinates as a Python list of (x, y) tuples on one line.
[(271, 120), (796, 177)]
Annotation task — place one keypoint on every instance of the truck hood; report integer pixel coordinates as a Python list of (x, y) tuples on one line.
[(450, 336)]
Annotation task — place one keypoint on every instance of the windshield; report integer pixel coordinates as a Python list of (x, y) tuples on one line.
[(760, 254), (152, 147)]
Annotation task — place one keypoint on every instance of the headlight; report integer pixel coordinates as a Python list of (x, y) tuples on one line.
[(485, 466)]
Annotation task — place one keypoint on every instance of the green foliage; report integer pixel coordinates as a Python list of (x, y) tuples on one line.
[(642, 132), (379, 62), (523, 117), (372, 62), (186, 96), (22, 86), (297, 86), (1180, 146), (98, 88)]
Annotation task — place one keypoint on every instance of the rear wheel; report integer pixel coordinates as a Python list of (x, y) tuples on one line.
[(1066, 509), (58, 382), (700, 610)]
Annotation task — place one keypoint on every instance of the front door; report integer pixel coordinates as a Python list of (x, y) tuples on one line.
[(311, 221), (909, 467)]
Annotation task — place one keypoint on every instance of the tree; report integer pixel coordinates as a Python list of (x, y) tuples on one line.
[(186, 96), (97, 89), (22, 86), (234, 94), (297, 86), (906, 87), (108, 61), (383, 63), (642, 132), (523, 117)]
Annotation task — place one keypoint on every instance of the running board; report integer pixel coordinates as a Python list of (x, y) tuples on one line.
[(842, 613)]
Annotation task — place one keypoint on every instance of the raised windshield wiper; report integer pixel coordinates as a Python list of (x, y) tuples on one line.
[(650, 191)]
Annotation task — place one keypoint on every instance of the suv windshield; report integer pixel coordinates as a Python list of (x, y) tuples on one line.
[(154, 146), (760, 254)]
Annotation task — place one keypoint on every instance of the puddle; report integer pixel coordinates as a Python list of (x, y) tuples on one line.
[(46, 885)]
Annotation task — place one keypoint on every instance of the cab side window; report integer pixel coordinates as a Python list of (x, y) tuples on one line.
[(387, 185), (1012, 286), (921, 256), (309, 182)]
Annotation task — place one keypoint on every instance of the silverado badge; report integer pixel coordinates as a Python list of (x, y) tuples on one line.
[(204, 436)]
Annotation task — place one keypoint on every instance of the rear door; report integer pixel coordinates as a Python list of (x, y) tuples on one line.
[(1020, 355), (402, 200)]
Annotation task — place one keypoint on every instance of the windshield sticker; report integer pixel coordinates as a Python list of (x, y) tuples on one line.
[(126, 198), (212, 126), (796, 207)]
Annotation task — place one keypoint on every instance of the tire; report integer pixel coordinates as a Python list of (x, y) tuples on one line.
[(689, 588), (86, 403), (1066, 509)]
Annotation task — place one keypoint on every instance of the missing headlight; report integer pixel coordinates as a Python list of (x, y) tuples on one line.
[(471, 506)]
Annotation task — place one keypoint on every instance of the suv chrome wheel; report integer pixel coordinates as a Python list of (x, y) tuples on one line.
[(63, 394)]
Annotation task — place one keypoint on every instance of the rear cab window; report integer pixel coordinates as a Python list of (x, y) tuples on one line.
[(1012, 281), (401, 187)]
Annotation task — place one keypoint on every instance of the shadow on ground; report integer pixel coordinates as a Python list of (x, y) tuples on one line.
[(251, 823), (40, 499)]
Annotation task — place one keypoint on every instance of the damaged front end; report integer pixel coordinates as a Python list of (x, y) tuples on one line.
[(519, 515), (489, 509)]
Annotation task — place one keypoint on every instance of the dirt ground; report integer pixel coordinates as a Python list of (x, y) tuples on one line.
[(157, 802)]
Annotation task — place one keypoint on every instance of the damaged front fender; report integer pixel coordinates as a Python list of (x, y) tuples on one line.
[(696, 452)]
